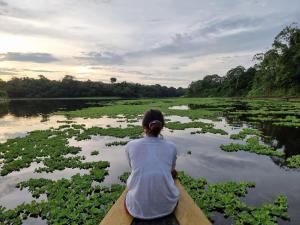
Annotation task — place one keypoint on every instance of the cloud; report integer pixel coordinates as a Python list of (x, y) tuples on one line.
[(28, 57), (3, 3), (165, 40), (42, 71), (8, 71), (101, 58)]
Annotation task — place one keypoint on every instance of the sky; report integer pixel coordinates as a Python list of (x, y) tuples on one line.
[(169, 42)]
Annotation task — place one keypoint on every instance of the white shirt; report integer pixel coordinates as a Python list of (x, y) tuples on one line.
[(151, 189)]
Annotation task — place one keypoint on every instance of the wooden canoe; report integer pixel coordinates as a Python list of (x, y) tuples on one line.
[(186, 213)]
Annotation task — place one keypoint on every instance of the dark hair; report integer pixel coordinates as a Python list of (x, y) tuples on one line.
[(153, 122)]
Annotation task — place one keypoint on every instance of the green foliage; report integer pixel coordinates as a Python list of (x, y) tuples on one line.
[(225, 198), (3, 94), (95, 152), (47, 146), (44, 145), (276, 73), (294, 161), (69, 87), (278, 69), (114, 143), (252, 145), (205, 127), (124, 177), (131, 132), (246, 131), (277, 112), (60, 163), (74, 201), (132, 110)]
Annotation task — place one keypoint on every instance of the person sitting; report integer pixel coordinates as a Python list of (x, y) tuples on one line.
[(151, 188)]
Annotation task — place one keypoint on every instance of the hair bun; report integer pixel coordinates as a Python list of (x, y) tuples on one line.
[(155, 124)]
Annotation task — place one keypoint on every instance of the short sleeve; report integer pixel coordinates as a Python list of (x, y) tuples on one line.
[(127, 155)]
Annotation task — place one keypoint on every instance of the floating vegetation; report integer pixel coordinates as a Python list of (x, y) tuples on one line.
[(95, 152), (124, 177), (133, 109), (114, 143), (252, 145), (38, 146), (182, 126), (225, 198), (69, 201), (78, 126), (131, 132), (205, 127), (48, 147), (294, 161), (276, 112), (65, 121), (246, 131), (60, 163)]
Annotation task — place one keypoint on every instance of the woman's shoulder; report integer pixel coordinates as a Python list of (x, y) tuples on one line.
[(134, 142), (157, 140), (170, 143)]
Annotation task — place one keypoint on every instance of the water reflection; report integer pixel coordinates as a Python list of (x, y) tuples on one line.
[(29, 108)]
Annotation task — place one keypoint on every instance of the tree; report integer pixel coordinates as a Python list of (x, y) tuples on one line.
[(70, 87), (113, 80)]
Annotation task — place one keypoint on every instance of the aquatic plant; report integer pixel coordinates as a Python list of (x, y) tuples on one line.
[(252, 145), (246, 131), (131, 132), (37, 146), (132, 110), (95, 152), (123, 178), (65, 121), (294, 161), (205, 127), (69, 201), (114, 143), (225, 198), (46, 146)]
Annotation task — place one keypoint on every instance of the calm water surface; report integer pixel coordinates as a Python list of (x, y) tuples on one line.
[(206, 159)]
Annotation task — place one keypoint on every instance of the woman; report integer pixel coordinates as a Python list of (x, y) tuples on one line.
[(151, 189)]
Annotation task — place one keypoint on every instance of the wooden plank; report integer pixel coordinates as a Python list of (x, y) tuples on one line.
[(187, 212)]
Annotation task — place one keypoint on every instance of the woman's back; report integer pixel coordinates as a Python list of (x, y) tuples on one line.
[(151, 189)]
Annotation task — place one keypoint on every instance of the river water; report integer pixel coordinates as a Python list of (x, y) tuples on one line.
[(206, 159)]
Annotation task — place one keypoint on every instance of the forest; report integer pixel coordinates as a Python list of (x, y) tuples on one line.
[(276, 72), (69, 87)]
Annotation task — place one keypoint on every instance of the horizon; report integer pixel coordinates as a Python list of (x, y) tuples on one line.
[(167, 42)]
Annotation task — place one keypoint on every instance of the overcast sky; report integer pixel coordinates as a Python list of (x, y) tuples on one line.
[(171, 42)]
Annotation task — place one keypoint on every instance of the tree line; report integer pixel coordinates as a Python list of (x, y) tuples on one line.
[(275, 73), (70, 87)]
